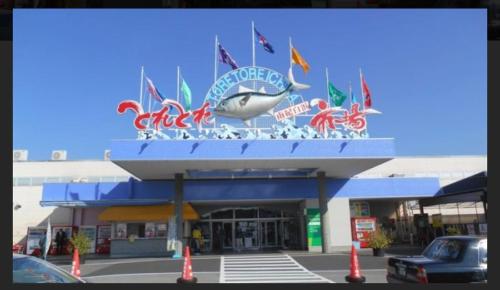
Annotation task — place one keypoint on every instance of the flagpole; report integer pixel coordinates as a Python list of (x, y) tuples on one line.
[(149, 110), (253, 63), (253, 44), (327, 91), (142, 83), (178, 74), (350, 93), (361, 84), (215, 68), (215, 62)]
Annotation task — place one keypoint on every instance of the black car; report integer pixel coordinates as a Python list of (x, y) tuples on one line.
[(451, 259), (29, 269)]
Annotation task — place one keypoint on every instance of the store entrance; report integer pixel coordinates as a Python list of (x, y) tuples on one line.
[(269, 234), (222, 235), (249, 228)]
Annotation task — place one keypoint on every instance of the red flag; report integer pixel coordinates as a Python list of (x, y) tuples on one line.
[(366, 92)]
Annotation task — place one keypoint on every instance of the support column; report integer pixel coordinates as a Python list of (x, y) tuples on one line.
[(484, 199), (302, 228), (178, 199), (323, 210)]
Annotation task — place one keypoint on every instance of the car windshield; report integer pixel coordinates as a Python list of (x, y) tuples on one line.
[(34, 270), (443, 249)]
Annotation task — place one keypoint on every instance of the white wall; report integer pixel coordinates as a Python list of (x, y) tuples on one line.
[(75, 169), (340, 224), (32, 214)]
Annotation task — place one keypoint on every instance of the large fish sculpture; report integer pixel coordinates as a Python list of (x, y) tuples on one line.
[(246, 105)]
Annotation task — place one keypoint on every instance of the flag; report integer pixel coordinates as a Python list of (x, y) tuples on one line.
[(226, 58), (262, 40), (336, 96), (298, 59), (154, 91), (352, 96), (48, 240), (366, 92), (186, 91)]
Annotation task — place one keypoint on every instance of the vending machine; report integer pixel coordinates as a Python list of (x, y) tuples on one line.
[(361, 228)]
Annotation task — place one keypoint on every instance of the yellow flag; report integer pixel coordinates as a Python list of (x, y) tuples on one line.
[(298, 59)]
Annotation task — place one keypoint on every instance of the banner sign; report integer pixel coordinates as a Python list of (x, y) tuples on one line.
[(359, 208), (292, 111), (35, 234), (248, 103), (313, 227), (245, 74)]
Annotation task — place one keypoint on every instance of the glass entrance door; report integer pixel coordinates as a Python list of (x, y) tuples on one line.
[(228, 235), (246, 235), (269, 234)]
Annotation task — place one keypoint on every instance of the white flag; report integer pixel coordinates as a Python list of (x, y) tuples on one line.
[(48, 240)]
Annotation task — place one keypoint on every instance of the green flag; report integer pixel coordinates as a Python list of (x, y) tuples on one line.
[(336, 96), (186, 91)]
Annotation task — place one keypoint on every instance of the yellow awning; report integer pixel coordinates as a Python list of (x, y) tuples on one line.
[(146, 213)]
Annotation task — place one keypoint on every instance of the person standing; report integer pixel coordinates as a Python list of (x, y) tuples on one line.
[(239, 238), (64, 240), (197, 239), (42, 243), (58, 242)]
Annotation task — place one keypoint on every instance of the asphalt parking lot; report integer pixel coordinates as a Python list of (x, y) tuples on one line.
[(331, 267)]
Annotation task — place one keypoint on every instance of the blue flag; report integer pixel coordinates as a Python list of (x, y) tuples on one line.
[(353, 98), (262, 40), (226, 58)]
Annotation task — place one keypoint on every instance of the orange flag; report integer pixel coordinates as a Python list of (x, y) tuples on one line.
[(298, 59)]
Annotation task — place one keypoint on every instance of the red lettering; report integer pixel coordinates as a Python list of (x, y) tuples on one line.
[(137, 109), (202, 115)]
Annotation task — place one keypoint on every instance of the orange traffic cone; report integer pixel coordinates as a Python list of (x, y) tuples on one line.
[(187, 272), (355, 275), (75, 267)]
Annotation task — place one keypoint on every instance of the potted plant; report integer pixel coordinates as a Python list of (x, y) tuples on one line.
[(379, 241), (82, 243)]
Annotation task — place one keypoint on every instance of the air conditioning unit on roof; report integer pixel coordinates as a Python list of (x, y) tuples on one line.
[(107, 155), (20, 155), (58, 155)]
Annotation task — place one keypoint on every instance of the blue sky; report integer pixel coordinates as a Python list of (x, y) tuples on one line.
[(426, 69)]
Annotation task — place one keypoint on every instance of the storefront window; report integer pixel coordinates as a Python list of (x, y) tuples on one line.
[(121, 231), (36, 181), (24, 181), (136, 229), (53, 179), (265, 213), (161, 230), (224, 214), (150, 230), (246, 213)]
